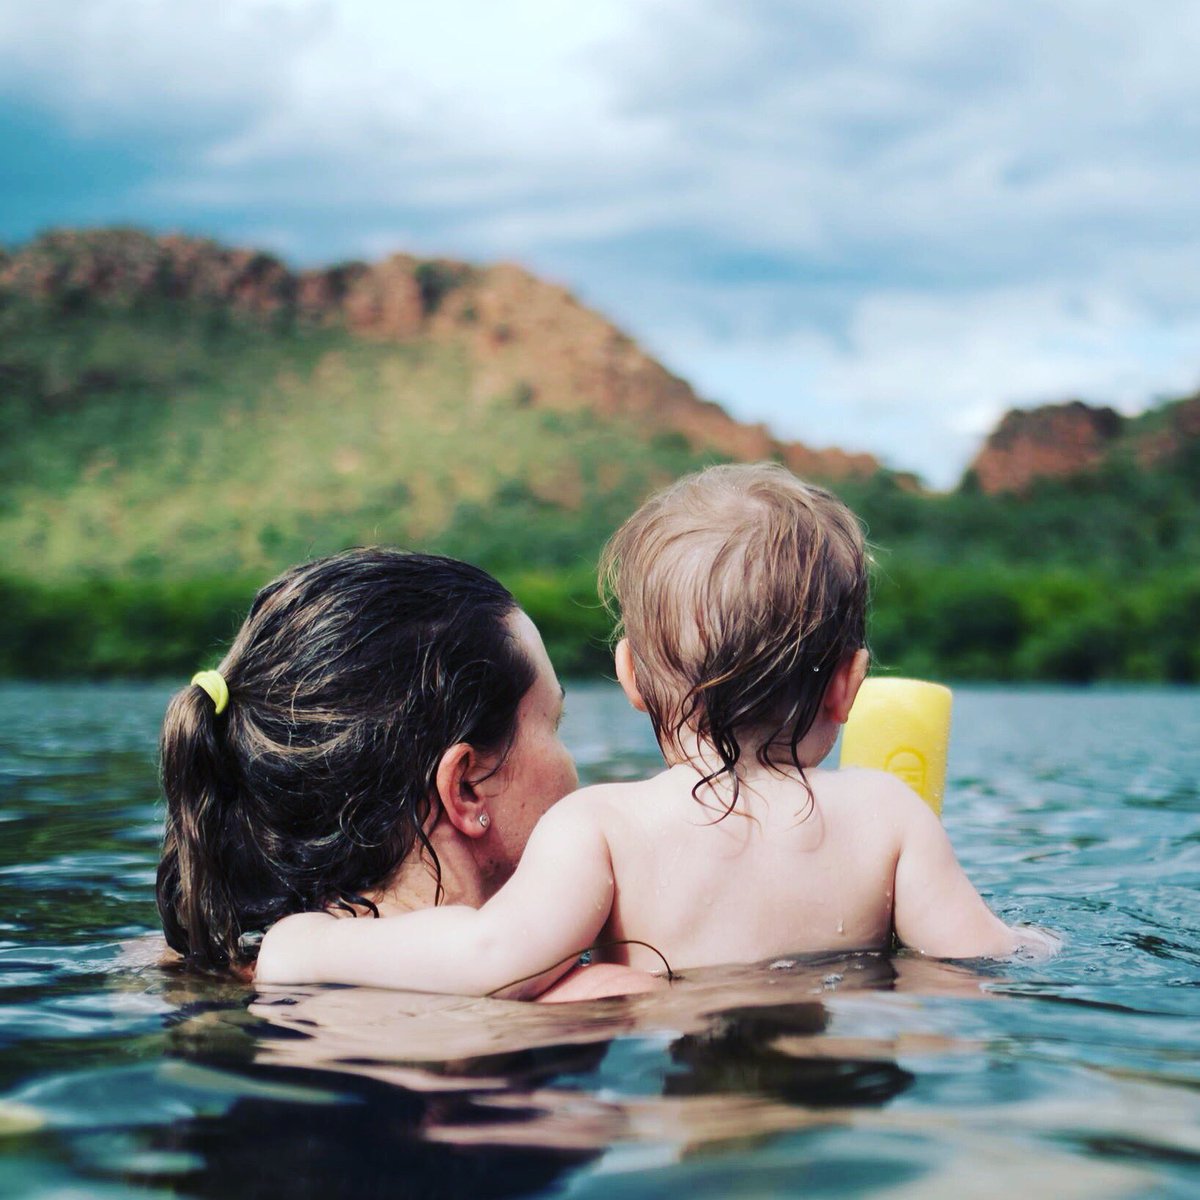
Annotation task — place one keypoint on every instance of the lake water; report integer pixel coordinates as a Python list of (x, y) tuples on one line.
[(861, 1076)]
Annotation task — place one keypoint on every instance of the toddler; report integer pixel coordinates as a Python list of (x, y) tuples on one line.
[(742, 595)]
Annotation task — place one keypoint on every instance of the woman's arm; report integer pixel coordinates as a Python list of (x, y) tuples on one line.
[(552, 908)]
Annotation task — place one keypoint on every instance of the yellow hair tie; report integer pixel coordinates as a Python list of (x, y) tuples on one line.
[(213, 682)]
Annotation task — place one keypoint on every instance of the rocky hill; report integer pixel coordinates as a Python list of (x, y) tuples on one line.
[(523, 337), (1062, 441)]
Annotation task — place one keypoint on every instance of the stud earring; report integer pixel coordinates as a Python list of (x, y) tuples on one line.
[(484, 820)]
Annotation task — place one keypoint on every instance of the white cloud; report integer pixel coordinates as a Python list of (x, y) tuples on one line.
[(920, 380), (136, 66)]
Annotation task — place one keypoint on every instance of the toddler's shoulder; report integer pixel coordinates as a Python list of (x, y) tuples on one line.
[(871, 781), (609, 807), (626, 791), (287, 953), (596, 800), (883, 795)]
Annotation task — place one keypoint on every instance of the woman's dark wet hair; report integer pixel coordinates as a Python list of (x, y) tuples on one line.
[(348, 680)]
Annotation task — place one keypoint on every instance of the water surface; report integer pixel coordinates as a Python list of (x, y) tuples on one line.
[(865, 1075)]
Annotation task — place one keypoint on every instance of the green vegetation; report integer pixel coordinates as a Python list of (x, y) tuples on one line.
[(158, 464), (1097, 578)]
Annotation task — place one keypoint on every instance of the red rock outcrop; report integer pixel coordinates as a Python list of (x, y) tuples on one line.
[(125, 266), (1054, 441), (1058, 441)]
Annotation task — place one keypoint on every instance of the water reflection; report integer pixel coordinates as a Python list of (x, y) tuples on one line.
[(350, 1092), (372, 1142), (723, 1055), (766, 1052)]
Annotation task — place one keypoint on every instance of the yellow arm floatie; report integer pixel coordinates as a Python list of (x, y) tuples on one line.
[(902, 726)]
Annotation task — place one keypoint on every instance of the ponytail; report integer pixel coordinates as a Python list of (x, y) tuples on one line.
[(199, 915)]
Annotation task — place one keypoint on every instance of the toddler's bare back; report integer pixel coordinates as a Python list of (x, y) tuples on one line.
[(783, 872)]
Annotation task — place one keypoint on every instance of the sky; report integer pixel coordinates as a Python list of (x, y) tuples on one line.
[(869, 225)]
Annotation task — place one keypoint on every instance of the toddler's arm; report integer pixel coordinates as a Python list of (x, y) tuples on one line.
[(552, 908), (936, 909)]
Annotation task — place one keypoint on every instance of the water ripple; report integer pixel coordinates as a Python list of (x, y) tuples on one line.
[(855, 1075)]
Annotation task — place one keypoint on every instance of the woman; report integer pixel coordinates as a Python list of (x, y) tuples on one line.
[(381, 736)]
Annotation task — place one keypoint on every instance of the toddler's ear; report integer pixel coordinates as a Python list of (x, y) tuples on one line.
[(843, 687), (625, 676)]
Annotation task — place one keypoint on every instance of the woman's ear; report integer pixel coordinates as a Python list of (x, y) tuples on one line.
[(843, 687), (462, 804), (623, 656)]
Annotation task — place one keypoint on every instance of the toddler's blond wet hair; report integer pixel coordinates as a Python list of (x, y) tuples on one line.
[(740, 589)]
